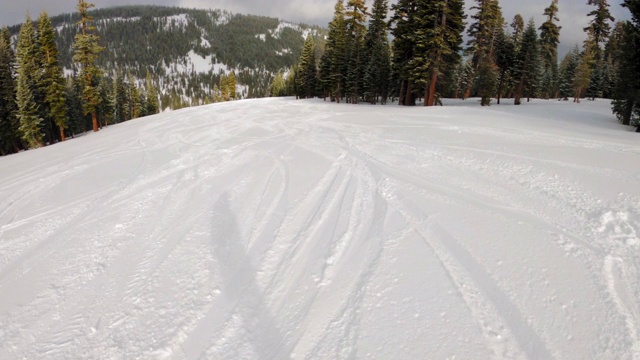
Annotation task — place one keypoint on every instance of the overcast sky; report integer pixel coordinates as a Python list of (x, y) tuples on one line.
[(319, 12)]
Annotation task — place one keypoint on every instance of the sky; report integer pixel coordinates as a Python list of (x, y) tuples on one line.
[(572, 13)]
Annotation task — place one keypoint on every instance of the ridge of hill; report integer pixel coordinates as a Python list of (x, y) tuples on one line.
[(188, 50)]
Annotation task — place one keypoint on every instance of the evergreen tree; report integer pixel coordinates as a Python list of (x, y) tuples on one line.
[(526, 68), (118, 99), (334, 60), (278, 86), (567, 73), (105, 108), (51, 82), (224, 88), (28, 68), (307, 70), (626, 104), (355, 17), (549, 40), (135, 109), (482, 32), (153, 107), (518, 28), (76, 119), (436, 42), (86, 54), (486, 81), (403, 29), (505, 59), (9, 135), (231, 85), (378, 66), (598, 32), (582, 76)]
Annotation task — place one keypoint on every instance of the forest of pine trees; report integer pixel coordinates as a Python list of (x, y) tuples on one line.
[(39, 107), (426, 59)]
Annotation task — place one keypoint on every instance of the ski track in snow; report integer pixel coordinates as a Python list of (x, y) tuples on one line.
[(275, 229)]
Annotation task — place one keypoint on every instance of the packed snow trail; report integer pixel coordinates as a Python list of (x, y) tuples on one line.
[(275, 229)]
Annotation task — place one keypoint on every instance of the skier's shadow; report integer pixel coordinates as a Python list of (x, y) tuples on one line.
[(240, 289)]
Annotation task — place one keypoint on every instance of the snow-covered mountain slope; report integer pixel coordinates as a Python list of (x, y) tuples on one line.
[(274, 229)]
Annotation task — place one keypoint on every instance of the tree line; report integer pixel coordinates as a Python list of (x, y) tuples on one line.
[(39, 106), (427, 59)]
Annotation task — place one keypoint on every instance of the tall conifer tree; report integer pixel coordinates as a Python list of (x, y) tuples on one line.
[(9, 135), (626, 104), (51, 81), (378, 64), (28, 69), (86, 54), (549, 40), (526, 67)]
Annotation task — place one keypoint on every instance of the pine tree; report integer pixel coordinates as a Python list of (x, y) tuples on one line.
[(355, 17), (27, 55), (378, 64), (403, 23), (231, 85), (334, 61), (51, 82), (505, 59), (518, 28), (307, 70), (153, 107), (582, 76), (224, 88), (105, 108), (598, 32), (549, 40), (567, 73), (526, 68), (626, 104), (86, 54), (486, 81), (119, 98), (9, 133), (483, 33), (135, 109), (437, 42)]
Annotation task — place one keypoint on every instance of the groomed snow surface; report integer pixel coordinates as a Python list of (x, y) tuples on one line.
[(277, 229)]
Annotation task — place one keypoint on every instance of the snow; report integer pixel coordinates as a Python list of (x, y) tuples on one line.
[(262, 37), (277, 228), (283, 52), (284, 24), (179, 20), (205, 43)]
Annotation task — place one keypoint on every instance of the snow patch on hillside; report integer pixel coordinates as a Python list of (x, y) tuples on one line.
[(222, 17), (262, 37), (205, 43), (179, 21), (283, 52)]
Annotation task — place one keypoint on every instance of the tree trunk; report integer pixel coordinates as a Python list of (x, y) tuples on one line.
[(408, 98), (62, 137), (518, 94), (401, 95), (432, 88), (94, 118), (500, 85)]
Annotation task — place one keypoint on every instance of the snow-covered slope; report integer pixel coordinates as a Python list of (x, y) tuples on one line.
[(274, 229)]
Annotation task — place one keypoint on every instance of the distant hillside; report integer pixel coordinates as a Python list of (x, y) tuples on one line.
[(187, 49)]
